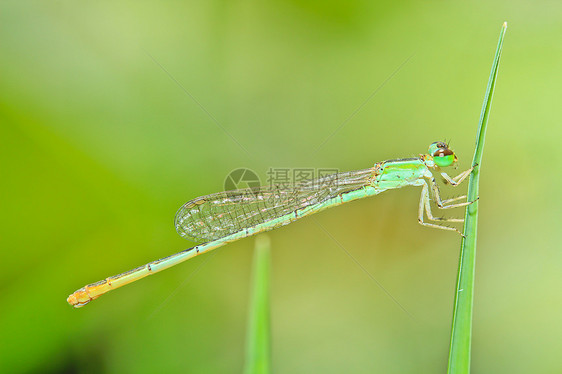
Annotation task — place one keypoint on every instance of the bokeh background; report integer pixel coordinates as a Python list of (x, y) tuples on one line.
[(113, 114)]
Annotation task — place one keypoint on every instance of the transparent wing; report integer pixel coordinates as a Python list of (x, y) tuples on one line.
[(220, 214)]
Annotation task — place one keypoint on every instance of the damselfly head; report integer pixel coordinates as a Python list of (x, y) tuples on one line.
[(442, 155)]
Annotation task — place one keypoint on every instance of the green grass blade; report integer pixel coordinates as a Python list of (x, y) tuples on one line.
[(258, 339), (461, 332)]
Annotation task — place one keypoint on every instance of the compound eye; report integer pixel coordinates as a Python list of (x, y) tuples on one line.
[(444, 157)]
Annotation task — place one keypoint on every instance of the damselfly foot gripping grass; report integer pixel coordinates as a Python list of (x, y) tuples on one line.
[(224, 217)]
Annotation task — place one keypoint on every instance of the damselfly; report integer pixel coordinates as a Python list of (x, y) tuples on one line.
[(228, 216)]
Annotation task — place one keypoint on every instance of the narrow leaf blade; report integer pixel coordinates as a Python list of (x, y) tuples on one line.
[(259, 335), (461, 331)]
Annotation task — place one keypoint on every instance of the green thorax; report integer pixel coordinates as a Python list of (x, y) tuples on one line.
[(400, 173)]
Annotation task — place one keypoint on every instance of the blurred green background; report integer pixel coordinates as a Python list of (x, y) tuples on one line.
[(100, 147)]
